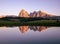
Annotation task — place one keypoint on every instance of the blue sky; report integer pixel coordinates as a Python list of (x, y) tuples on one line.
[(13, 7)]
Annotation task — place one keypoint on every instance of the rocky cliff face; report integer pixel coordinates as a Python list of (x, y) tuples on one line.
[(23, 13), (39, 14)]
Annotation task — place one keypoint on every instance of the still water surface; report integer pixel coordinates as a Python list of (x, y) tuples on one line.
[(30, 35)]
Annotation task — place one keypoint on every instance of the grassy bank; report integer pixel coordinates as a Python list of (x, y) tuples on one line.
[(40, 23)]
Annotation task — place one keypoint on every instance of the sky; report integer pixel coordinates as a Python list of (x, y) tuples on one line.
[(13, 7)]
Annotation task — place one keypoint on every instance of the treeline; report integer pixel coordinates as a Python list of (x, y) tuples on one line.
[(26, 19)]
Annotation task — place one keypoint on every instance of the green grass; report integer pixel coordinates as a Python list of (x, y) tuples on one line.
[(39, 22), (44, 23)]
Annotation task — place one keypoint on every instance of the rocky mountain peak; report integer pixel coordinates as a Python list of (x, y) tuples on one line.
[(39, 14), (23, 13)]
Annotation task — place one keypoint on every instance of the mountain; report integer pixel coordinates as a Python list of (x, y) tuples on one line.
[(23, 13), (39, 14)]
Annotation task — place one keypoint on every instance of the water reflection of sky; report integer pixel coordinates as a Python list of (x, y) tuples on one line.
[(14, 35)]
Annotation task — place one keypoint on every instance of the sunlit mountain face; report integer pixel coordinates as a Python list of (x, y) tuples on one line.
[(24, 13), (34, 14)]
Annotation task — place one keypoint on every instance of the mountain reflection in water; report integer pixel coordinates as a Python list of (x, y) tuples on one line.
[(29, 35), (24, 29)]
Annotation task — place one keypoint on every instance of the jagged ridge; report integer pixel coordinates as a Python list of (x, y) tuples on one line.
[(24, 13)]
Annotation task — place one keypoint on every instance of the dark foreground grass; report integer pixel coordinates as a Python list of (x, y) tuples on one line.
[(30, 23)]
